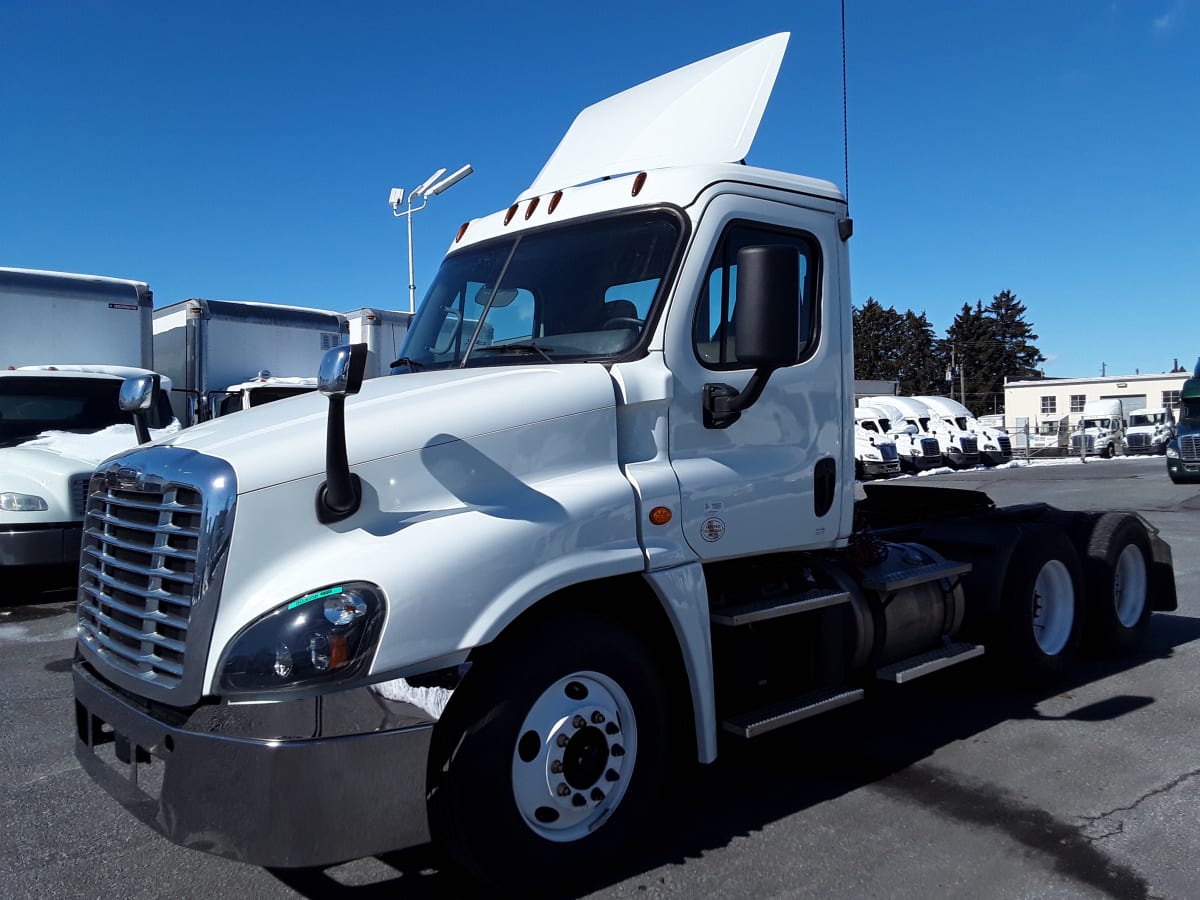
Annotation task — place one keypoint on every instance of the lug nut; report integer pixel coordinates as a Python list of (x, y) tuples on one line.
[(556, 766), (597, 717), (563, 790), (579, 721), (562, 740)]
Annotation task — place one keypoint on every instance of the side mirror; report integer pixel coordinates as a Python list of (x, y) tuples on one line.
[(340, 375), (766, 321), (138, 396)]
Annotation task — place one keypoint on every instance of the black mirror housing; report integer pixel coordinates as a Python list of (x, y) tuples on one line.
[(766, 318)]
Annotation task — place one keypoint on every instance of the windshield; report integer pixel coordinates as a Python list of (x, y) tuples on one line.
[(579, 292), (1096, 423), (1189, 410), (29, 406), (1148, 419)]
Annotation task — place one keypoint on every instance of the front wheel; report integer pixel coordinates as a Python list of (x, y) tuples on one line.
[(552, 755), (1042, 615)]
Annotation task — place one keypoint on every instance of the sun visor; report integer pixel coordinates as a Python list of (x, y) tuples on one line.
[(706, 112)]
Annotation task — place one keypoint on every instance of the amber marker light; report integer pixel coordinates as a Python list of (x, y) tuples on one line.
[(660, 515)]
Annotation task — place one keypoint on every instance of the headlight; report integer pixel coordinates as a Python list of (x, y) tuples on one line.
[(1172, 451), (325, 637), (11, 501)]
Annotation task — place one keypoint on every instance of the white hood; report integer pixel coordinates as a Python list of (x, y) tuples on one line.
[(395, 414)]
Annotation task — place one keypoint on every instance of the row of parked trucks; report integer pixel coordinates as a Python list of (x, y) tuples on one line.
[(912, 434), (506, 598), (70, 340)]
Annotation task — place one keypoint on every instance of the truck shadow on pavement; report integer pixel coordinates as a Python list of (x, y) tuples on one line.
[(883, 742)]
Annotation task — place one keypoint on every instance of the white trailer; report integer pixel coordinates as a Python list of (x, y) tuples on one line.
[(227, 355), (66, 343), (501, 599), (383, 331)]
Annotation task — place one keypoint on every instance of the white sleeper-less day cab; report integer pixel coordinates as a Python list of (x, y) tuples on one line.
[(605, 515)]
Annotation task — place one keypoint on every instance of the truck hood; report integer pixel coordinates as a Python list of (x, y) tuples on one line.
[(41, 465), (394, 414)]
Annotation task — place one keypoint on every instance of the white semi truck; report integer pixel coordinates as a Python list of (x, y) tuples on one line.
[(228, 355), (1149, 430), (916, 450), (66, 344), (499, 600), (1101, 429), (959, 449), (993, 444), (875, 454)]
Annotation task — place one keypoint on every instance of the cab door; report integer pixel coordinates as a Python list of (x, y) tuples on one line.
[(774, 479)]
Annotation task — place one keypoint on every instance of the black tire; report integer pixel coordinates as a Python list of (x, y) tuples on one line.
[(1117, 566), (493, 805), (1109, 451), (1042, 607)]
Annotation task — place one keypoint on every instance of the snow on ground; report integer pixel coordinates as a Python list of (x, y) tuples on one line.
[(1032, 463), (97, 446)]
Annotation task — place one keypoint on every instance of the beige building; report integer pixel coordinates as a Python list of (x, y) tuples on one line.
[(1033, 403)]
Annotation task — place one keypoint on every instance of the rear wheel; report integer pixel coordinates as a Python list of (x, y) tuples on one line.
[(1042, 612), (1117, 569), (551, 756)]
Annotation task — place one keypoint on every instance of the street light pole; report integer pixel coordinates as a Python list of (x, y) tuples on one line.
[(426, 189)]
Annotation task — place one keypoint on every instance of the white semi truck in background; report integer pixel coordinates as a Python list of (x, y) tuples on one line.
[(959, 449), (915, 451), (67, 342), (1149, 430), (501, 599), (228, 355), (994, 445), (875, 454), (1101, 429)]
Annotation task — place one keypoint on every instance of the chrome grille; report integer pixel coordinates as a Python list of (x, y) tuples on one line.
[(1090, 442), (138, 578), (1138, 441), (79, 491), (930, 448), (887, 452), (1189, 447), (970, 446), (1005, 445)]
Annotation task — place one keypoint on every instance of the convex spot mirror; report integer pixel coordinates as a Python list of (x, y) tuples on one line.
[(499, 299)]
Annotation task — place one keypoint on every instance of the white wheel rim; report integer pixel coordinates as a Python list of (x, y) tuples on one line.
[(1053, 607), (1129, 585), (574, 756)]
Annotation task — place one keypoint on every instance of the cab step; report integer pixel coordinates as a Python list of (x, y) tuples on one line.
[(895, 581), (776, 715), (773, 608), (924, 663)]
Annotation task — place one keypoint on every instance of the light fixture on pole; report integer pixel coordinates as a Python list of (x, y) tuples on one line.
[(426, 189)]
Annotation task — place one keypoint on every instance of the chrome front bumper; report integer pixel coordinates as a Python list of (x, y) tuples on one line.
[(307, 782)]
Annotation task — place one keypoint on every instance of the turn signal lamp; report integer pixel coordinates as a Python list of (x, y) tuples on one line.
[(660, 515)]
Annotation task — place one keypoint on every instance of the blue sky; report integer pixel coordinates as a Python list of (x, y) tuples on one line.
[(246, 150)]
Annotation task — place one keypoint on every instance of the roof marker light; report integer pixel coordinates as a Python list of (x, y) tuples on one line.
[(508, 216), (462, 230), (558, 195), (638, 184), (533, 204)]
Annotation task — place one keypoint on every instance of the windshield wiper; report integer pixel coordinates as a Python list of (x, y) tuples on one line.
[(517, 350), (413, 365)]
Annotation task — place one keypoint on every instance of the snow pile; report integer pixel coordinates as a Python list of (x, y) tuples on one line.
[(432, 700), (98, 445)]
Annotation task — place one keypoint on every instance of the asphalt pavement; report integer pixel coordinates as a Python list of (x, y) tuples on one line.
[(953, 786)]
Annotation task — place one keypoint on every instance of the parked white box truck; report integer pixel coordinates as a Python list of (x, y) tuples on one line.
[(500, 599), (228, 355), (67, 341), (383, 331)]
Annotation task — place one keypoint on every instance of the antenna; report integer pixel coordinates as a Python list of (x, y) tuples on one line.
[(845, 119)]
